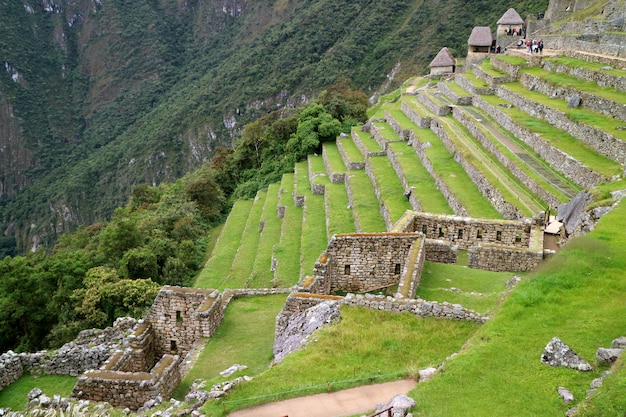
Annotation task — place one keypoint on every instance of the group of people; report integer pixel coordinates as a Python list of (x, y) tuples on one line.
[(515, 31), (532, 46)]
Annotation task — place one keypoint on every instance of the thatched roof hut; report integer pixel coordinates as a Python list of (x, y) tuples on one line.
[(511, 17), (480, 39), (443, 63)]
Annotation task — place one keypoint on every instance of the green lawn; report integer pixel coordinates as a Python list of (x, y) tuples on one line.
[(313, 237), (331, 152), (245, 337), (475, 81), (339, 217), (365, 204), (365, 346), (261, 275), (221, 260), (578, 295), (430, 198), (581, 63), (353, 153), (15, 396), (387, 133), (368, 141), (390, 188), (287, 250), (457, 89)]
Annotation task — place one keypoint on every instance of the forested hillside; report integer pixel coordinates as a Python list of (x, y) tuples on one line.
[(98, 96)]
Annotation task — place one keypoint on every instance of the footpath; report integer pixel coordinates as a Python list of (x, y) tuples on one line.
[(341, 403)]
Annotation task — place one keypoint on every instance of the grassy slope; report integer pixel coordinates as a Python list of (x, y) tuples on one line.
[(15, 395), (576, 296)]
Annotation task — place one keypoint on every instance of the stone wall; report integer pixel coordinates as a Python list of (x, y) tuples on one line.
[(491, 193), (497, 258), (541, 192), (180, 316), (415, 117), (440, 251), (609, 45), (602, 78), (366, 154), (384, 211), (440, 109), (335, 177), (467, 232), (412, 270), (351, 165), (129, 389), (560, 161), (11, 369), (587, 100), (362, 262), (458, 100), (467, 85), (317, 189), (511, 69), (408, 190), (490, 79)]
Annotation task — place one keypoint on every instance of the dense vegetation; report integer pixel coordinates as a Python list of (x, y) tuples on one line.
[(108, 101)]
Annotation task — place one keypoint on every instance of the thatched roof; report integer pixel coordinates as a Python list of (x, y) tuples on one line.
[(480, 36), (511, 17), (443, 59)]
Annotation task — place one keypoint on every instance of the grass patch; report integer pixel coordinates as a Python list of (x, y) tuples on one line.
[(475, 81), (369, 143), (588, 65), (339, 216), (513, 60), (457, 89), (246, 337), (333, 157), (491, 70), (430, 198), (351, 150), (559, 139), (313, 238), (387, 133), (243, 263), (364, 345), (287, 250), (390, 188), (221, 260), (577, 295), (365, 204), (261, 275), (455, 177), (15, 396)]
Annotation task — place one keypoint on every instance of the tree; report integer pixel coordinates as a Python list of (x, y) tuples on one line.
[(345, 102), (205, 192), (315, 125)]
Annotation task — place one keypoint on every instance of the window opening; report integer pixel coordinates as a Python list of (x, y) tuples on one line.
[(346, 270), (179, 316), (460, 234), (173, 346), (479, 234), (397, 270), (498, 235)]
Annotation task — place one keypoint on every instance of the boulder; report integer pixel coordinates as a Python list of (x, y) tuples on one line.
[(400, 404), (558, 353), (607, 356), (572, 213), (301, 325), (619, 343), (566, 394)]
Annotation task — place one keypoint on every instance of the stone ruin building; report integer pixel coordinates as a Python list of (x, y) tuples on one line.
[(443, 63)]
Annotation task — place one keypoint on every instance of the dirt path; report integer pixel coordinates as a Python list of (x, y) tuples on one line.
[(341, 403)]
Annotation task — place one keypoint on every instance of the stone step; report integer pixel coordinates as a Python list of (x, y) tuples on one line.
[(455, 94), (365, 142), (388, 190), (491, 75), (469, 82), (429, 99)]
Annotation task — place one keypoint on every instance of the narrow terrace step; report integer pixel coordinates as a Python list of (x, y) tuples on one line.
[(302, 185), (365, 205), (388, 189), (491, 75), (602, 74), (604, 100), (496, 184), (509, 64), (604, 59), (455, 94), (244, 259), (339, 215), (384, 134), (335, 168), (262, 275), (597, 131), (351, 155), (433, 103), (286, 254), (415, 112), (560, 150), (468, 81), (213, 274), (366, 144), (317, 174), (524, 164)]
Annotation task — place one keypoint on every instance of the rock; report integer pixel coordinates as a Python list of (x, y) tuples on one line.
[(619, 343), (426, 374), (44, 400), (571, 412), (301, 325), (572, 213), (399, 403), (566, 394), (607, 356), (34, 393), (573, 102), (558, 353), (512, 282), (234, 368)]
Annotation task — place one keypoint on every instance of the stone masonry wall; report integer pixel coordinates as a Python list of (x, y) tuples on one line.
[(180, 316), (460, 115), (129, 389), (408, 190), (142, 349), (467, 232), (335, 177), (495, 258), (352, 166), (607, 45), (415, 117), (11, 369), (439, 109), (318, 189), (602, 78), (440, 251), (481, 74), (557, 159), (491, 193), (367, 262), (511, 69), (468, 86), (458, 100)]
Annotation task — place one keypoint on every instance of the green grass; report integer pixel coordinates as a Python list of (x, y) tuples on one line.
[(221, 260), (387, 133), (559, 139), (15, 396), (581, 63), (455, 177), (390, 188), (335, 163), (316, 164), (368, 141), (513, 60), (313, 238), (245, 337), (287, 250), (580, 114), (487, 287), (365, 204), (491, 70), (352, 152), (430, 198), (261, 275), (564, 80), (475, 81), (243, 263), (364, 346), (609, 400), (577, 295), (339, 217), (457, 89), (301, 172)]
